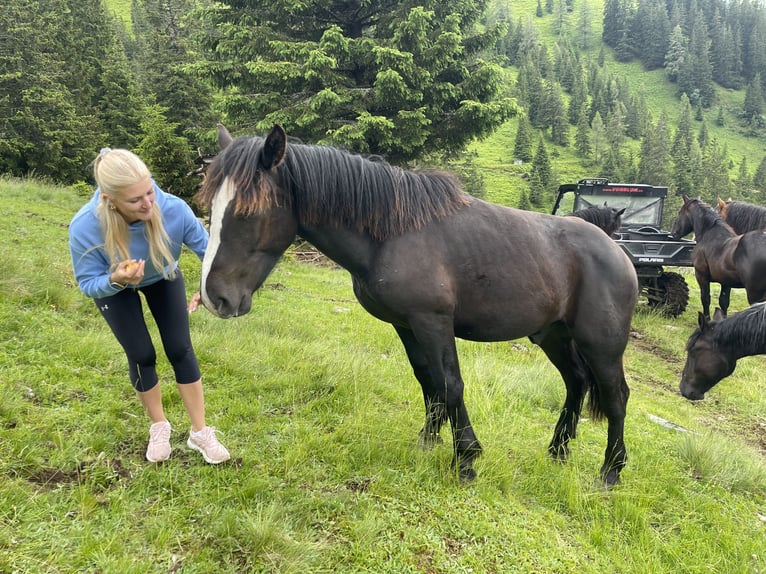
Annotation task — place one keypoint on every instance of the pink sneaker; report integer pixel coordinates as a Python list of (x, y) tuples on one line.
[(205, 442), (159, 442)]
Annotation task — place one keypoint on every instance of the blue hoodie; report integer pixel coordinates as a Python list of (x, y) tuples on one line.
[(92, 267)]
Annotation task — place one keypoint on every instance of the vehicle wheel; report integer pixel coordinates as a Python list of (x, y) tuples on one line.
[(670, 294)]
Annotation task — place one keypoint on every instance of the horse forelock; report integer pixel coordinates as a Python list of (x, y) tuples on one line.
[(744, 332), (239, 163), (335, 187)]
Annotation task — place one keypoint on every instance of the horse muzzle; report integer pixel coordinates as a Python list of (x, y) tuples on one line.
[(224, 308), (690, 393)]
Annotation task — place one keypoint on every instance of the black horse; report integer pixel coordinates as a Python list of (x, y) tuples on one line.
[(742, 216), (715, 346), (721, 255), (437, 264), (602, 216)]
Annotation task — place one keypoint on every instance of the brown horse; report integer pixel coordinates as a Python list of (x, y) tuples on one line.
[(436, 264), (742, 216), (721, 255)]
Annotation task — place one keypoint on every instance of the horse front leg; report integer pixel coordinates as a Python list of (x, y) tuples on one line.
[(436, 341), (436, 410), (723, 299), (704, 285)]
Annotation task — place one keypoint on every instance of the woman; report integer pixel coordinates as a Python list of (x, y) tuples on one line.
[(127, 239)]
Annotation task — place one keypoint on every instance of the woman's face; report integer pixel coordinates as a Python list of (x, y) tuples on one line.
[(135, 203)]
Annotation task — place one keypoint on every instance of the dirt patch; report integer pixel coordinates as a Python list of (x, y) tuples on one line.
[(106, 473), (640, 341)]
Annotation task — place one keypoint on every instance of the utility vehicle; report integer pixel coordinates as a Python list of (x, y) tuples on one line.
[(650, 248)]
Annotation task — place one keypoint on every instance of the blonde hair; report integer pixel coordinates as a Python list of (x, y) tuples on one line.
[(115, 170)]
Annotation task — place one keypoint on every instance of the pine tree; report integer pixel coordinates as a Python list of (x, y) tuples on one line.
[(167, 155), (654, 156), (582, 136), (522, 148), (695, 75), (541, 165), (676, 55), (164, 57), (584, 28), (399, 79), (753, 105), (598, 139), (759, 177), (682, 151), (743, 181)]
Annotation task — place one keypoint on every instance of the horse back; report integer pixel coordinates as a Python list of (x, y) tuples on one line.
[(503, 273)]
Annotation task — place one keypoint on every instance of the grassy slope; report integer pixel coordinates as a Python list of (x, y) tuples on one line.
[(320, 410), (494, 153)]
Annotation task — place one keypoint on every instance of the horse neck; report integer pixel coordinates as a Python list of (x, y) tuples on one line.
[(743, 334), (704, 223), (351, 250)]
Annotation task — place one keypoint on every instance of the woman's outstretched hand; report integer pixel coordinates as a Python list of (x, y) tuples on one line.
[(195, 301)]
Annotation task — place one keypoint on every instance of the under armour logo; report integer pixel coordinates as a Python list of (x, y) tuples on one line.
[(105, 308)]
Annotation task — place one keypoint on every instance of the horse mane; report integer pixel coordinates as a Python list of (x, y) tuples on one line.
[(328, 185), (744, 217), (710, 216), (601, 216), (745, 331)]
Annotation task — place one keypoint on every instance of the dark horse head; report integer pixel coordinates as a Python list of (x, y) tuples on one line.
[(602, 216), (684, 222), (259, 217), (707, 362)]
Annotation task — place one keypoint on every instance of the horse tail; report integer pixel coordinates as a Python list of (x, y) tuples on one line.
[(589, 386), (594, 401)]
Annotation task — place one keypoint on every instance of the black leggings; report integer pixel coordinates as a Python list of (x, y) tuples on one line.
[(167, 302)]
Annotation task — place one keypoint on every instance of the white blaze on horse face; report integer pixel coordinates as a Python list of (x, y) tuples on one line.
[(223, 198)]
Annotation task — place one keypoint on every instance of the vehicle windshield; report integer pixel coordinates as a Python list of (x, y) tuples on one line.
[(639, 210)]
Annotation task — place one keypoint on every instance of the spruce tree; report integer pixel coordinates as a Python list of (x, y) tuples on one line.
[(759, 177), (582, 136), (522, 147), (398, 79)]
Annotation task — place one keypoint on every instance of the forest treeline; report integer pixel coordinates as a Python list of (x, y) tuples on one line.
[(415, 82)]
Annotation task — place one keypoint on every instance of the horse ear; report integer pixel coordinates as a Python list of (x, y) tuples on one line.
[(686, 198), (273, 147), (718, 314), (701, 320), (721, 203), (224, 137), (620, 212)]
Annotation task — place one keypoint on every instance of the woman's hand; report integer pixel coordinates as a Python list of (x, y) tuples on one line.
[(195, 301), (128, 272)]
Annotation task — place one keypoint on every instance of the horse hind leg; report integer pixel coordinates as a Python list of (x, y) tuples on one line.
[(609, 399), (561, 351)]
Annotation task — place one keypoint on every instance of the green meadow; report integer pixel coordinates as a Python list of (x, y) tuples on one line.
[(316, 402)]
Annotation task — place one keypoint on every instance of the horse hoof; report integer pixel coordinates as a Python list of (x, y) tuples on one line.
[(610, 479), (427, 441), (559, 454), (466, 475)]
